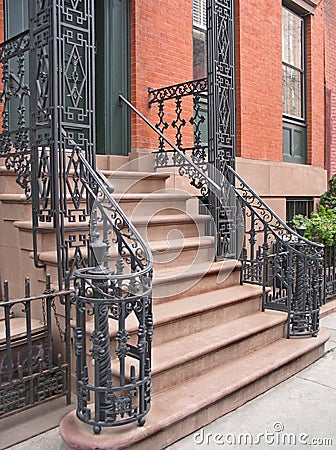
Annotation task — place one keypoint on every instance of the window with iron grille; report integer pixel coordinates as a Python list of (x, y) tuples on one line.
[(298, 205)]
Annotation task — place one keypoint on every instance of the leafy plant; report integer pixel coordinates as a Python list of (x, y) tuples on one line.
[(320, 227), (328, 199)]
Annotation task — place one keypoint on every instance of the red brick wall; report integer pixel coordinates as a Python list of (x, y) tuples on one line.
[(161, 54), (315, 86), (259, 81), (330, 81)]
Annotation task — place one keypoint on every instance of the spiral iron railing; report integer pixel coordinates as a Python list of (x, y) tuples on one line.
[(113, 302)]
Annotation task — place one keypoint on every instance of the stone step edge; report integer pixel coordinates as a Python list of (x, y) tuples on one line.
[(152, 221), (176, 273), (138, 175), (107, 172), (185, 351), (14, 198), (328, 308), (162, 316), (128, 197), (165, 245), (171, 409), (50, 256)]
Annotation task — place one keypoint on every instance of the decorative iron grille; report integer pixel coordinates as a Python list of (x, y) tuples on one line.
[(15, 135), (186, 105), (34, 349)]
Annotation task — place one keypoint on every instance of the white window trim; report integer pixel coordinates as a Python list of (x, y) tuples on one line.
[(199, 14)]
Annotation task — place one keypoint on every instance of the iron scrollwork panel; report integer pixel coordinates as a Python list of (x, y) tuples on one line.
[(44, 168), (15, 135), (75, 84), (221, 82), (62, 63), (182, 112)]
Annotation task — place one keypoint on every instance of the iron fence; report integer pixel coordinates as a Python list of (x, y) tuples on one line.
[(34, 348), (329, 272)]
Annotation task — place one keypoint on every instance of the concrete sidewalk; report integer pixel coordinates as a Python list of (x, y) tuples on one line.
[(297, 414)]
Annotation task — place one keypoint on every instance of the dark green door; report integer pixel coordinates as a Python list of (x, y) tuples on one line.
[(112, 76)]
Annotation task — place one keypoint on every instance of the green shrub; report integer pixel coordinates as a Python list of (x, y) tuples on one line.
[(328, 199), (320, 227)]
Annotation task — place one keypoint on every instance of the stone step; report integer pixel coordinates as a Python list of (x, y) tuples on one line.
[(168, 226), (175, 253), (138, 205), (15, 207), (183, 317), (46, 238), (193, 279), (177, 360), (188, 406), (125, 181), (182, 252), (328, 308), (8, 184)]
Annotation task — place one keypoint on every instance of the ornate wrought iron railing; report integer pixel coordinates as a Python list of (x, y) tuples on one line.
[(34, 360), (182, 113), (286, 265), (113, 301), (329, 267)]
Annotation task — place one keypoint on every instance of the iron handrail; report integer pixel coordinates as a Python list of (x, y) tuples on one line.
[(178, 90), (213, 183), (278, 220), (100, 180)]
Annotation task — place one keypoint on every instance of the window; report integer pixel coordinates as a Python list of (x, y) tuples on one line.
[(199, 39), (293, 88), (16, 21), (16, 14), (298, 205)]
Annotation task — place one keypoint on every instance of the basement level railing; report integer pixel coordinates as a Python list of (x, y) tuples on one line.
[(34, 348), (287, 266)]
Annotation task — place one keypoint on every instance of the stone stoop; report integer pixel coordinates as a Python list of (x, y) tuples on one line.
[(187, 406), (213, 348)]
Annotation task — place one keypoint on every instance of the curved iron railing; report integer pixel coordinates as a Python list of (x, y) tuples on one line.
[(113, 302), (285, 264)]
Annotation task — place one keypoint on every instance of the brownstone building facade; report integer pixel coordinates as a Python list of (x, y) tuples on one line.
[(162, 56), (160, 39)]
